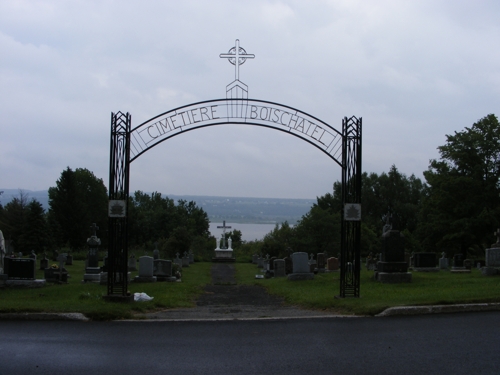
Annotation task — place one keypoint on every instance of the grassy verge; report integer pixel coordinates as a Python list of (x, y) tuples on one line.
[(87, 298), (425, 289)]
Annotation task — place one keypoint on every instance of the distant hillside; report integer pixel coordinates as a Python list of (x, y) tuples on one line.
[(231, 209)]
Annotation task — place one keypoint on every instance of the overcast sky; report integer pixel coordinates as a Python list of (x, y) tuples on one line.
[(413, 70)]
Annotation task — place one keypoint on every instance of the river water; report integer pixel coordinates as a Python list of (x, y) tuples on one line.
[(249, 232)]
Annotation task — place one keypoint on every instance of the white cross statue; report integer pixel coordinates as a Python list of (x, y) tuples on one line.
[(237, 56)]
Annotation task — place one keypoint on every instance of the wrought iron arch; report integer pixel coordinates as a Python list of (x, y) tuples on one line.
[(238, 112), (128, 143)]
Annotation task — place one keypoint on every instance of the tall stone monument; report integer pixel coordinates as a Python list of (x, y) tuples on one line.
[(392, 268), (92, 269), (492, 258)]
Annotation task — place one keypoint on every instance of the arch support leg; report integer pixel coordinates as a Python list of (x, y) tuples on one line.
[(350, 253)]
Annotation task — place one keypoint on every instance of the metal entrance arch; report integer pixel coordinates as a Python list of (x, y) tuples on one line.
[(128, 143)]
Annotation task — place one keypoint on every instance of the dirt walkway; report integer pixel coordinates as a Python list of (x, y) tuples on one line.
[(224, 299)]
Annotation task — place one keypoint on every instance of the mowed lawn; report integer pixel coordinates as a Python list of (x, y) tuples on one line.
[(425, 289)]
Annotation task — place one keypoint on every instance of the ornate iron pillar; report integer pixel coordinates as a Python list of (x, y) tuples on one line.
[(119, 168), (350, 254)]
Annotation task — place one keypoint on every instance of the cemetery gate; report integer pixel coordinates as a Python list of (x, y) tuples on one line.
[(128, 143)]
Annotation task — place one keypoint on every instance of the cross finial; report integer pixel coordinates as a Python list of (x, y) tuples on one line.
[(94, 229), (237, 56)]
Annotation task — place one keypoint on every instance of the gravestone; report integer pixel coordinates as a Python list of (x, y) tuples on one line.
[(301, 267), (191, 257), (459, 264), (492, 261), (260, 262), (32, 255), (425, 262), (185, 260), (132, 263), (279, 268), (333, 264), (162, 269), (20, 268), (69, 259), (312, 263), (20, 273), (178, 261), (62, 260), (271, 263), (265, 263), (443, 261), (468, 264), (105, 261), (57, 273), (92, 269), (392, 268), (156, 252), (458, 261), (492, 258), (254, 258), (288, 265), (44, 262), (55, 255), (145, 270), (321, 261)]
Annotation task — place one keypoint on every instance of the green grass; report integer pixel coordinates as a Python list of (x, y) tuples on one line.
[(425, 289), (87, 298)]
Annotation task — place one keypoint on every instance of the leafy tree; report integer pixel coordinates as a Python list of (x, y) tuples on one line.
[(319, 230), (153, 218), (14, 216), (235, 236), (78, 200), (35, 235), (462, 208), (277, 242)]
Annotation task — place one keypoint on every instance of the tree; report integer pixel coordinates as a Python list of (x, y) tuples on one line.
[(78, 200), (35, 235), (235, 236), (388, 193), (277, 242), (153, 218), (462, 208), (14, 216)]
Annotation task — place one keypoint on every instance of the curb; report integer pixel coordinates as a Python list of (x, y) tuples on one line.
[(391, 311), (439, 309), (44, 316)]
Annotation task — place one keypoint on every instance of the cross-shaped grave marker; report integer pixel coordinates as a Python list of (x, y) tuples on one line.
[(224, 227), (94, 229), (61, 259)]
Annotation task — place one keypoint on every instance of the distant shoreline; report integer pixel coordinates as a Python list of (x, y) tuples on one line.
[(242, 210)]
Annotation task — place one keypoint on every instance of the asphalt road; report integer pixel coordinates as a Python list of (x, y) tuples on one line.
[(431, 344)]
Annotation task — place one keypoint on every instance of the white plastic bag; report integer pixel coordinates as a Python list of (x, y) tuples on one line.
[(142, 297)]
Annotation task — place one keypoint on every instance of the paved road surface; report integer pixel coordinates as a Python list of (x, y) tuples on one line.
[(432, 344)]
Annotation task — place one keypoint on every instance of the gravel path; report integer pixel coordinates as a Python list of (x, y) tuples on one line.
[(224, 299)]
